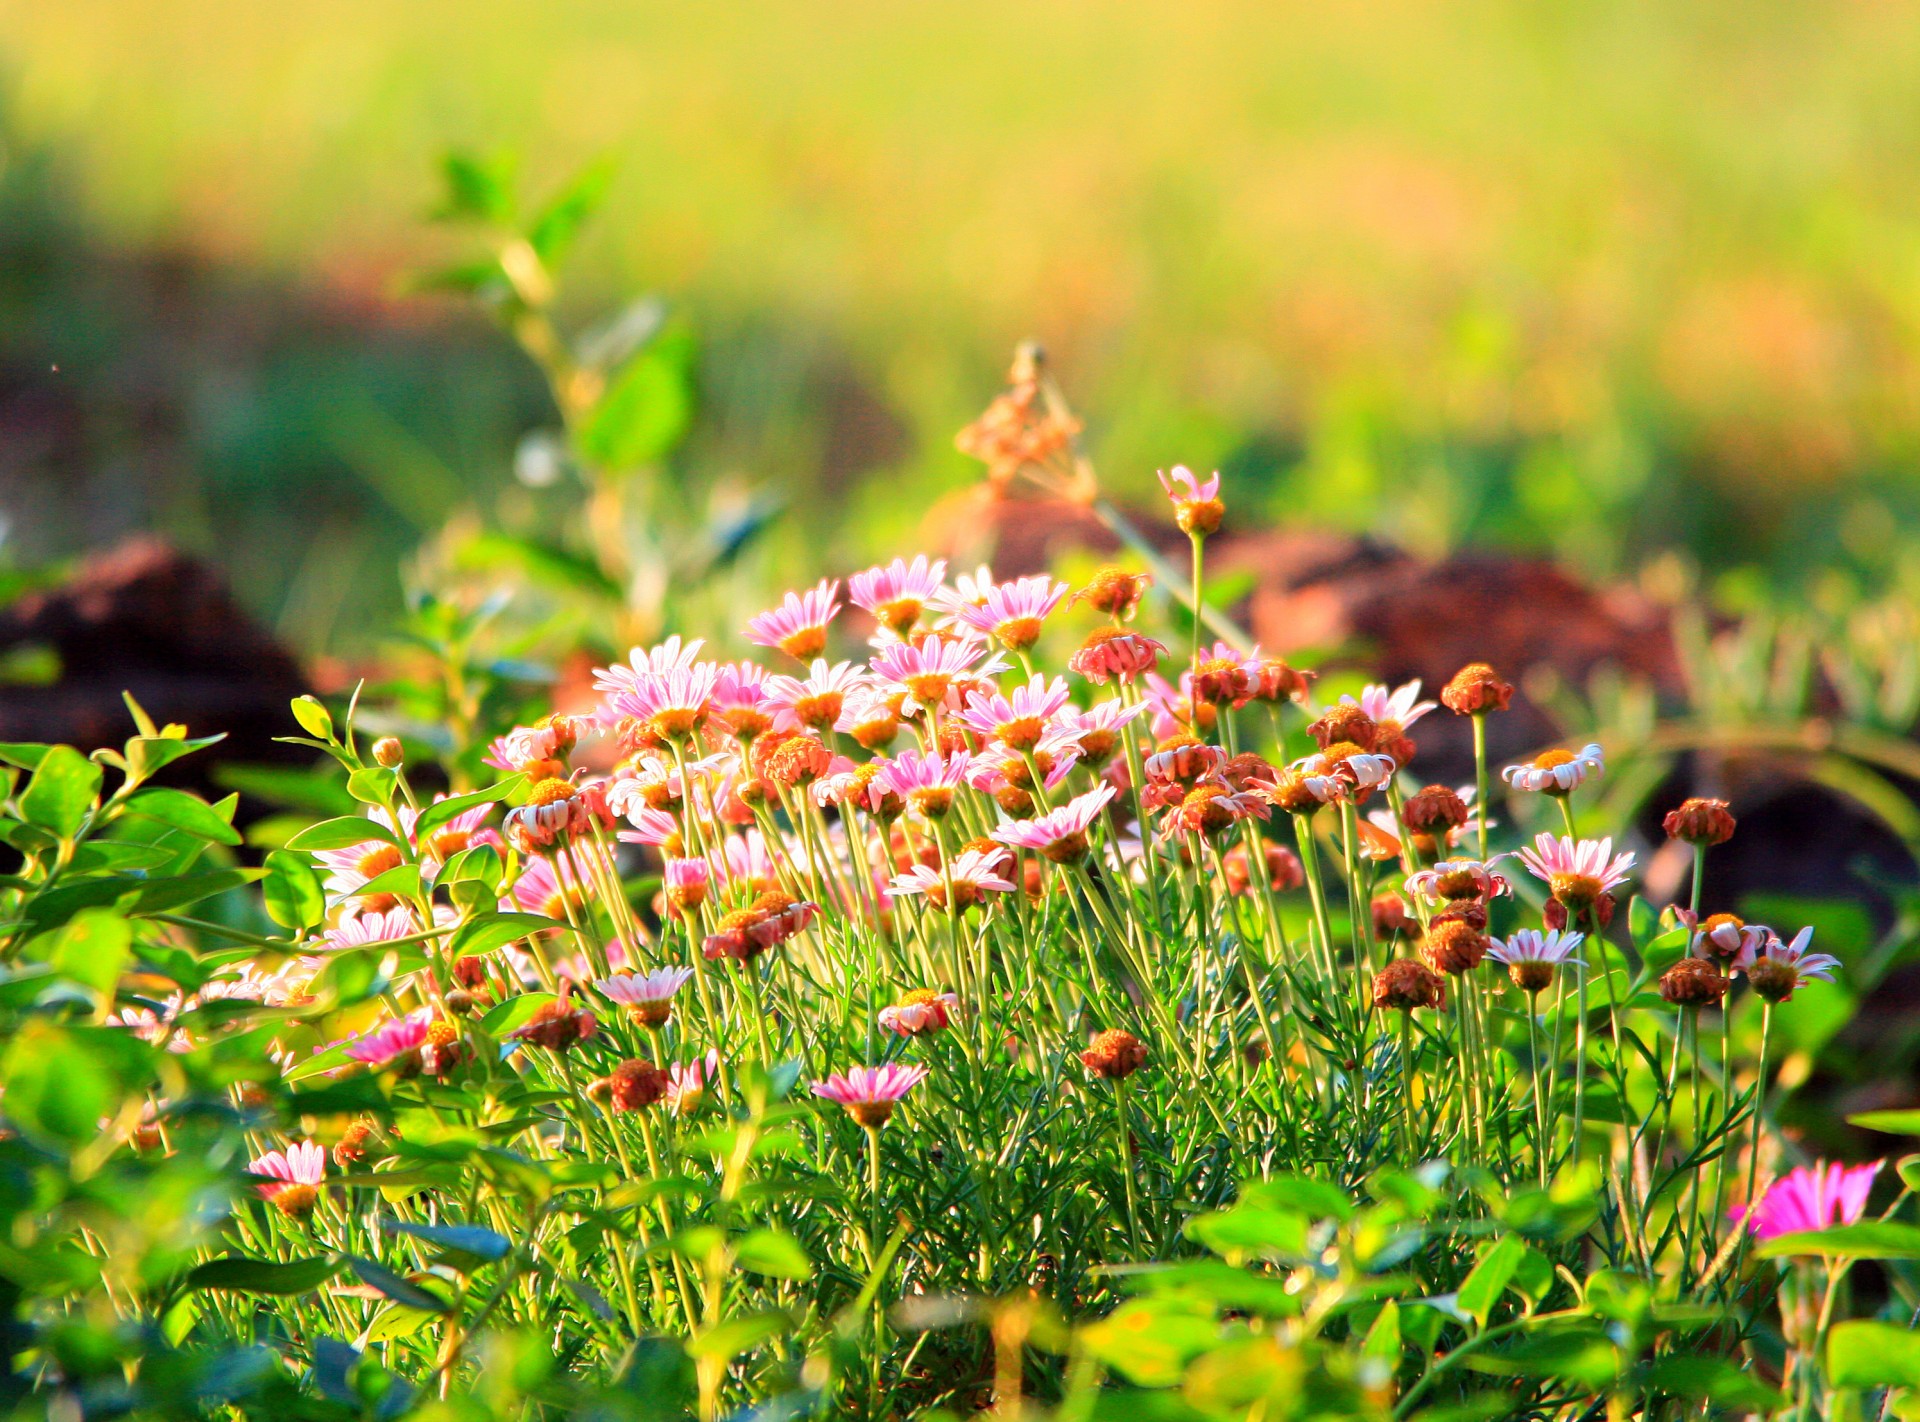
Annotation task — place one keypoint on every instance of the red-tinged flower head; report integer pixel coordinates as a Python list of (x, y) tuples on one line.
[(769, 921), (1110, 652), (1404, 985), (1811, 1198), (797, 761), (1452, 880), (871, 1093), (1209, 808), (1284, 870), (1692, 982), (1293, 792), (1391, 917), (1475, 690), (1701, 822), (1345, 724), (1115, 592), (632, 1086), (1454, 943), (1276, 681), (1114, 1055), (1222, 677), (920, 1012), (558, 1025), (798, 626), (1184, 760), (352, 1146), (1196, 504), (1435, 811)]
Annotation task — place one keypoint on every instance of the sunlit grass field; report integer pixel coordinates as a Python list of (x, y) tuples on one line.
[(1452, 271)]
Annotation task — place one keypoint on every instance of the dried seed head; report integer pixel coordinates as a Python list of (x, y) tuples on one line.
[(1453, 944), (1693, 981), (1475, 690), (1434, 811), (1701, 822), (1405, 985), (1114, 1055), (1390, 916), (1345, 724)]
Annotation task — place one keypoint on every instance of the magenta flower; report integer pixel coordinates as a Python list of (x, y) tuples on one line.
[(1578, 872), (871, 1093), (1810, 1198), (927, 670), (648, 997), (1183, 488), (291, 1179), (1096, 730), (689, 1082), (1060, 835), (1775, 969), (1017, 722), (798, 626), (899, 592), (650, 826), (391, 1040), (1012, 613), (672, 705), (1401, 706), (360, 930), (927, 782), (740, 699), (816, 701)]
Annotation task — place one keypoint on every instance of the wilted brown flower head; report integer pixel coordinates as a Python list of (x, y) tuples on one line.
[(1454, 944), (1693, 981), (1390, 916), (1701, 822), (1434, 811), (1405, 985), (1475, 690), (1279, 682), (1114, 1054), (1345, 725)]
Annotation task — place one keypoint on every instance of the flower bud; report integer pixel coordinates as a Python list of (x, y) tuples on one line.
[(388, 751)]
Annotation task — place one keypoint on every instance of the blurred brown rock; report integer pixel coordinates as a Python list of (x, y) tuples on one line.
[(143, 617)]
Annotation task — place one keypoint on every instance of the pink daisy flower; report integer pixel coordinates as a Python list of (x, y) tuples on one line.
[(1776, 969), (897, 593), (745, 858), (1530, 945), (650, 826), (546, 887), (1183, 487), (689, 1082), (392, 1039), (353, 867), (798, 626), (973, 877), (648, 997), (1458, 879), (671, 655), (1096, 730), (1398, 707), (1578, 873), (1000, 766), (1061, 835), (871, 1093), (1012, 613), (1811, 1198), (363, 929), (926, 671), (291, 1178), (817, 701), (671, 705), (1017, 722), (925, 781)]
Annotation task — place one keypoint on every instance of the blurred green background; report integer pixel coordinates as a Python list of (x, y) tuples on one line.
[(1603, 279)]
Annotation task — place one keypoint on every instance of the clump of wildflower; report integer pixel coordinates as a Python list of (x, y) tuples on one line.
[(1531, 956), (1475, 690), (1114, 1055), (1809, 1198), (1404, 985), (291, 1178), (921, 1011), (1556, 772), (1196, 504), (648, 997), (1700, 822), (871, 1093)]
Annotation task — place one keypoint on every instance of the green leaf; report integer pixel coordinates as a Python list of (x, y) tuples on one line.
[(263, 1276), (1383, 1339), (57, 1085), (342, 832), (1709, 1379), (373, 785), (314, 718), (647, 408), (402, 881), (292, 890), (774, 1253), (553, 231), (25, 754), (1490, 1276), (148, 755), (61, 792), (1315, 1199), (400, 1290), (1870, 1239), (166, 895), (1891, 1123), (479, 188), (730, 1339), (441, 811), (471, 1240), (188, 813), (1862, 1353), (1247, 1229), (489, 931), (514, 1013), (91, 948)]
